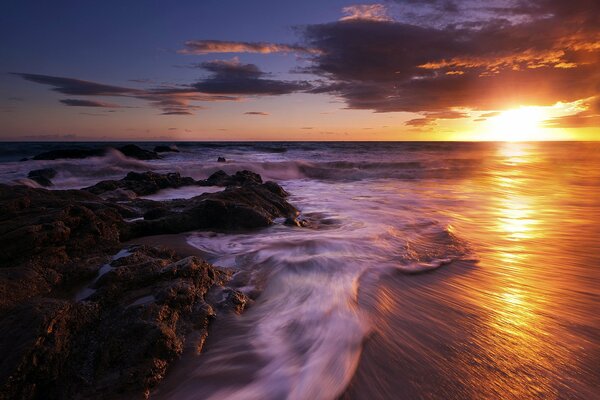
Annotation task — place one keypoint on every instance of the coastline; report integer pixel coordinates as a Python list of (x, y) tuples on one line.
[(137, 303)]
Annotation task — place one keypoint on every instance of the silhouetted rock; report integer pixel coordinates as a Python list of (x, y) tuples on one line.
[(42, 176), (69, 153), (133, 151), (142, 184), (24, 159), (240, 178), (221, 159), (166, 149)]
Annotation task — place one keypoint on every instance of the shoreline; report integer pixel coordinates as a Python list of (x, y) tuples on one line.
[(134, 310)]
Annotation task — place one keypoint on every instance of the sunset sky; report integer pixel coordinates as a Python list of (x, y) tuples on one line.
[(305, 70)]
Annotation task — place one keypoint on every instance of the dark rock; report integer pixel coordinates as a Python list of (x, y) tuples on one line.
[(275, 188), (142, 184), (121, 341), (24, 159), (221, 159), (240, 178), (133, 151), (296, 222), (246, 207), (44, 234), (165, 149), (42, 176), (69, 153)]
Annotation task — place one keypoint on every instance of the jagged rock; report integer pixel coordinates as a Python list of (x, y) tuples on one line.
[(42, 176), (240, 178), (165, 149), (142, 184), (120, 342), (221, 159), (44, 234), (246, 207)]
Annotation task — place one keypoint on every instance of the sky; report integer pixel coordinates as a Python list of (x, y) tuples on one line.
[(309, 70)]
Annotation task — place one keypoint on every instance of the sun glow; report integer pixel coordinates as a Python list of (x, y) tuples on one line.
[(521, 124)]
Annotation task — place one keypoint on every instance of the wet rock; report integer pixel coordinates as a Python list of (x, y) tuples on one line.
[(165, 149), (133, 151), (42, 176), (275, 188), (142, 184), (69, 153), (121, 341), (44, 235), (236, 208), (299, 222), (141, 313), (240, 178), (221, 159)]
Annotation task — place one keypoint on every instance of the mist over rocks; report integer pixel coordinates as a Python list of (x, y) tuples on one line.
[(42, 176), (143, 310)]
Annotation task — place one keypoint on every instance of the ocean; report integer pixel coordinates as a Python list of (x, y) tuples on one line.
[(431, 270)]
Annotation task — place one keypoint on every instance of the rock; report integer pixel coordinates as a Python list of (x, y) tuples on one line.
[(240, 178), (24, 159), (42, 176), (44, 235), (236, 208), (133, 151), (121, 341), (150, 304), (302, 223), (69, 153), (165, 149), (142, 184), (275, 188), (221, 159)]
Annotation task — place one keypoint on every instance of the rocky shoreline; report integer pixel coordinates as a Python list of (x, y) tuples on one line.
[(82, 315)]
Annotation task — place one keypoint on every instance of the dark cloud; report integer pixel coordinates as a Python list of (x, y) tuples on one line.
[(88, 103), (221, 46), (77, 87), (228, 81), (513, 53), (233, 77), (256, 113), (177, 113)]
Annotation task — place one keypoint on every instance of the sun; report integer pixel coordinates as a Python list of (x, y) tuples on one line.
[(521, 124)]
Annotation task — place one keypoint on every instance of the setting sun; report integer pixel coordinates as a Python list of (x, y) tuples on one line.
[(522, 124)]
